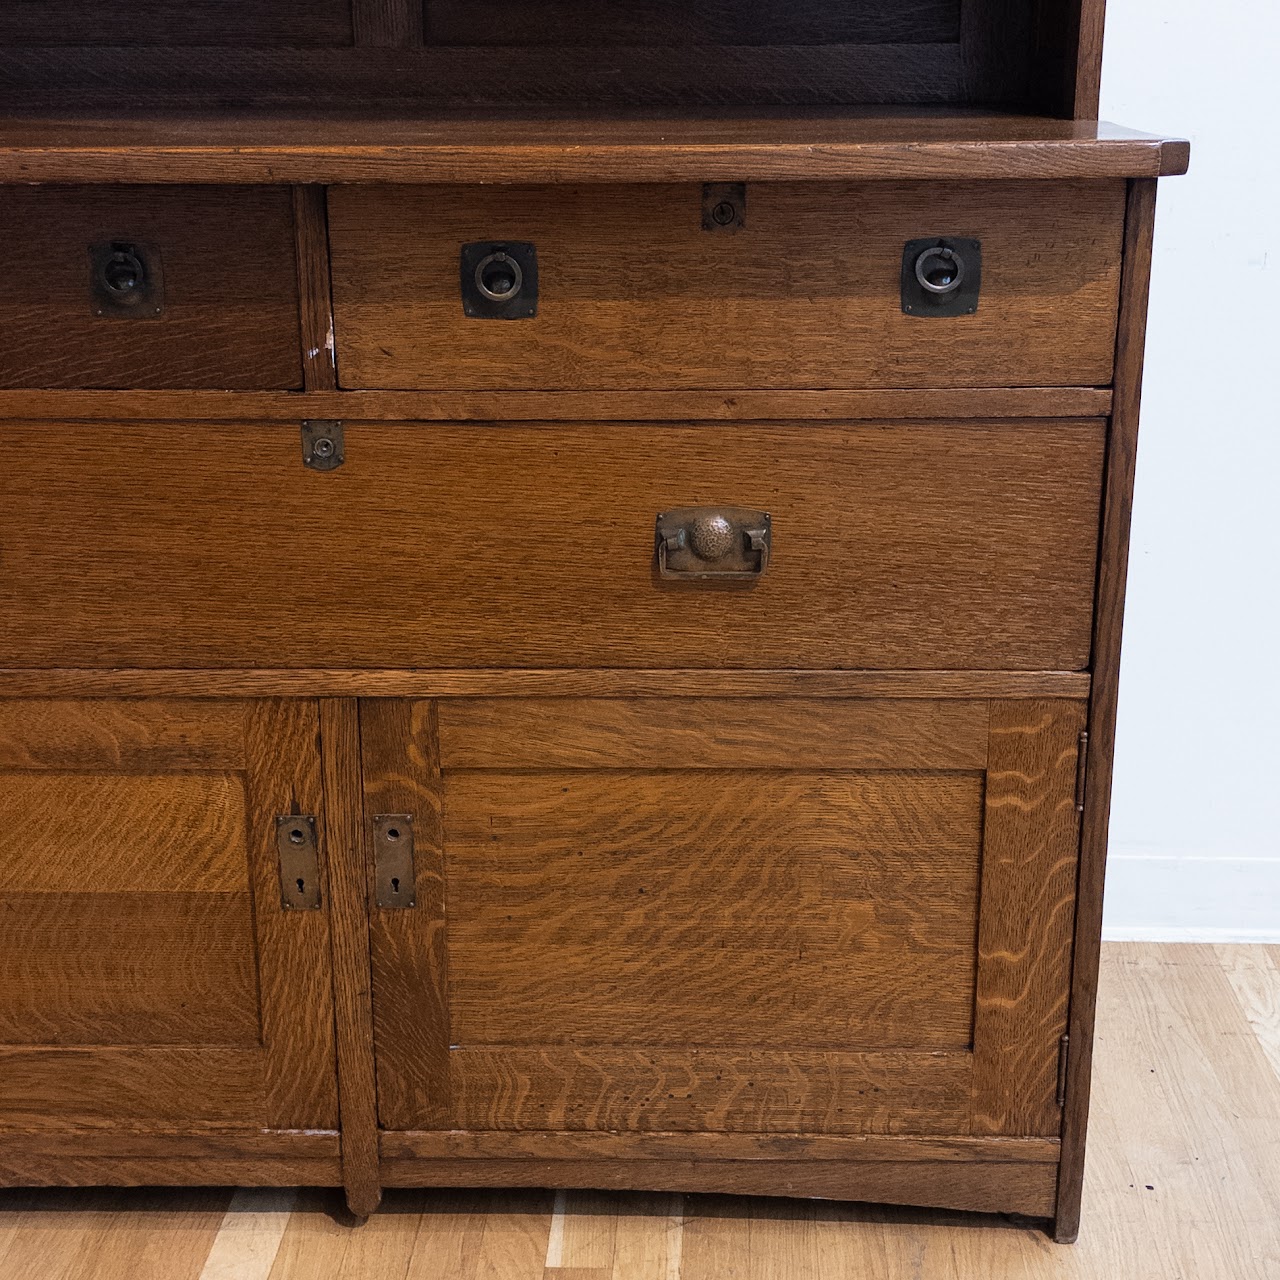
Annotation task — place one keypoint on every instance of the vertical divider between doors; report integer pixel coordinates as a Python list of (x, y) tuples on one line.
[(347, 894)]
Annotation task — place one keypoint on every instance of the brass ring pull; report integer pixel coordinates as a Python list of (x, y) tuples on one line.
[(713, 543)]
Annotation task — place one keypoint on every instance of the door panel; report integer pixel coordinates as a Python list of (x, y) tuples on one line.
[(149, 975), (845, 916)]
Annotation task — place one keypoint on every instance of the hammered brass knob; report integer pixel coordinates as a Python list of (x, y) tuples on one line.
[(712, 537)]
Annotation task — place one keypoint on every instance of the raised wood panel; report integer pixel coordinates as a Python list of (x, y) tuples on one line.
[(66, 833), (230, 319), (128, 736), (697, 22), (785, 910), (724, 1090), (150, 977), (128, 968), (911, 545), (165, 1086), (713, 733), (176, 22), (608, 940), (634, 295)]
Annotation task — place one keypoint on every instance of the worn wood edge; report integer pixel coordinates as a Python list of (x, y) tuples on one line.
[(1108, 626), (555, 406), (473, 1145), (598, 682), (315, 291), (144, 1144), (1005, 1187), (590, 162), (346, 893), (66, 1169)]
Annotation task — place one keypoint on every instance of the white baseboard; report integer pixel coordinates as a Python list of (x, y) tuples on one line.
[(1190, 898)]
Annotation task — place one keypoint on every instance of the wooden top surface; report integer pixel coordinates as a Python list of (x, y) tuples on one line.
[(794, 144)]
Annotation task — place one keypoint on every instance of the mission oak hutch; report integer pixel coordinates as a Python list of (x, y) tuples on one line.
[(561, 569)]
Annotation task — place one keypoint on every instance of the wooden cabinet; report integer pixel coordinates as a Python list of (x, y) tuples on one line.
[(561, 571), (686, 924), (895, 545), (154, 987), (634, 293)]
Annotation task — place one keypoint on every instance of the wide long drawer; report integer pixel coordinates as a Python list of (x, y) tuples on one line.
[(633, 293), (895, 545)]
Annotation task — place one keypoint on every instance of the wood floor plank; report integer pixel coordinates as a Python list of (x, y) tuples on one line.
[(648, 1237), (249, 1237), (450, 1226), (153, 1234)]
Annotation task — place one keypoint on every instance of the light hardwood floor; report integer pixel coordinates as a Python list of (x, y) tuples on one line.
[(1183, 1184)]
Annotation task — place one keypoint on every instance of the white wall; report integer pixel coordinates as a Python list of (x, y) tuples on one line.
[(1195, 830)]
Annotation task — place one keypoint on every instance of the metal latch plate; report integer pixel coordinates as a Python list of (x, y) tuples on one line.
[(299, 862), (393, 860)]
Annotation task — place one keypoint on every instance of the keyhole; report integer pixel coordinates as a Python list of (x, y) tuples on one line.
[(395, 884), (301, 887)]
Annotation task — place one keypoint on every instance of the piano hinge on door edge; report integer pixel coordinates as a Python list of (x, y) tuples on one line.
[(1064, 1050), (1082, 759)]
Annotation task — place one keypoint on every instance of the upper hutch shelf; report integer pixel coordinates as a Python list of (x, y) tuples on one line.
[(558, 90), (759, 145)]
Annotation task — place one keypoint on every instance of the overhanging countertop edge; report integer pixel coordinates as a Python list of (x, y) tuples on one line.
[(795, 146)]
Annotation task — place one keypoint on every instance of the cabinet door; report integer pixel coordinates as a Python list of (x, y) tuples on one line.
[(726, 915), (150, 977)]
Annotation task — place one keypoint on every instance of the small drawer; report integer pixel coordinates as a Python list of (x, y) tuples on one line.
[(150, 287), (889, 545), (768, 286)]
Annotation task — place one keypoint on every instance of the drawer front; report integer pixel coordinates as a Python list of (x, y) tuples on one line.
[(935, 545), (632, 293), (126, 287), (751, 915)]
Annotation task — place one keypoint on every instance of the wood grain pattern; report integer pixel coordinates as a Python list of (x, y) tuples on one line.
[(132, 1086), (699, 23), (401, 760), (759, 309), (176, 23), (917, 545), (712, 733), (388, 24), (311, 242), (998, 1187), (1029, 863), (773, 1147), (952, 404), (776, 911), (1188, 1048), (660, 1089), (120, 968), (230, 295), (346, 881), (132, 736), (1122, 447), (203, 685), (283, 776), (703, 142), (144, 831), (50, 822)]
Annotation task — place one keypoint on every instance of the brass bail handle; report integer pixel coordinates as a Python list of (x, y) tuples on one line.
[(713, 543)]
